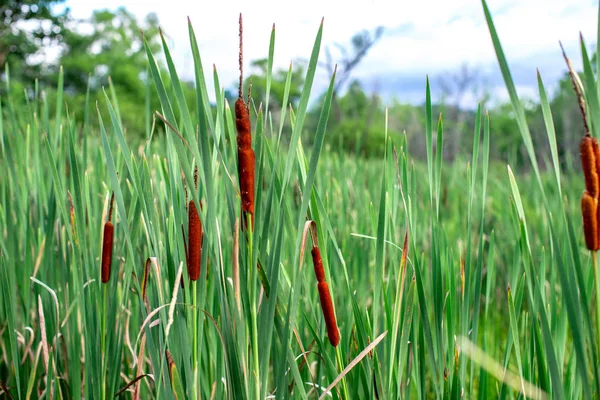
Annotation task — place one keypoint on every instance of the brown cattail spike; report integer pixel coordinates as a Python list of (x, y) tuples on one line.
[(318, 264), (195, 237), (328, 313), (107, 244), (589, 211), (596, 150), (587, 149), (324, 295), (246, 156)]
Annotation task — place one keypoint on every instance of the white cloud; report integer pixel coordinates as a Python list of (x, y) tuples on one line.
[(438, 36)]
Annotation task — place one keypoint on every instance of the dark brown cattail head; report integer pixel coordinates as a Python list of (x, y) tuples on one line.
[(318, 264), (588, 149), (329, 314), (242, 123), (589, 211), (246, 157), (195, 236), (107, 244)]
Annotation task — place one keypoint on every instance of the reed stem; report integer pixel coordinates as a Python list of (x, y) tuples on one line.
[(103, 342), (597, 279), (195, 337), (338, 357), (253, 311)]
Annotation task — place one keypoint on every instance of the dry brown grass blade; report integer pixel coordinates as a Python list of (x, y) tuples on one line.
[(353, 364), (45, 349), (307, 226), (5, 390), (164, 120), (42, 319), (578, 88), (38, 260), (173, 300), (135, 381)]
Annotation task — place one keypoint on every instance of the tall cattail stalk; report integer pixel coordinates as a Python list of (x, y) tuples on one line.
[(195, 237), (194, 260), (590, 164), (107, 250), (246, 157), (333, 333)]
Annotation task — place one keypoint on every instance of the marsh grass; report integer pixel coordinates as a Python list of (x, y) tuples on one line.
[(448, 280)]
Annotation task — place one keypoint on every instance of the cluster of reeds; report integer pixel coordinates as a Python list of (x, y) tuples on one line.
[(442, 333), (590, 165)]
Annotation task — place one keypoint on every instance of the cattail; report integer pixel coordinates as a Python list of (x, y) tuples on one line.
[(318, 264), (107, 243), (328, 313), (589, 211), (333, 332), (195, 236), (588, 149), (246, 156)]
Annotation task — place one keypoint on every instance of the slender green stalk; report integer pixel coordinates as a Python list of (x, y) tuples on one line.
[(253, 310), (338, 357), (103, 341), (195, 337), (597, 282)]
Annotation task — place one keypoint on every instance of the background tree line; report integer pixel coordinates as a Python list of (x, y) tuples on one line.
[(111, 47)]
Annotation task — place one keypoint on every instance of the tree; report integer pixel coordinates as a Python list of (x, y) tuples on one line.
[(278, 83), (349, 59), (112, 49), (27, 25), (360, 44), (456, 87)]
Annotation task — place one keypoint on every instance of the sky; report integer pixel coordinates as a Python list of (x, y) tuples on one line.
[(421, 37)]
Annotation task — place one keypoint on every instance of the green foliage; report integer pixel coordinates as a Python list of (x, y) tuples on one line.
[(27, 26), (448, 279)]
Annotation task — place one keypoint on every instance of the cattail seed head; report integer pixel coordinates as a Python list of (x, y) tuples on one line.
[(195, 236), (318, 264), (589, 151), (246, 156), (107, 244), (589, 211), (329, 314), (107, 249)]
